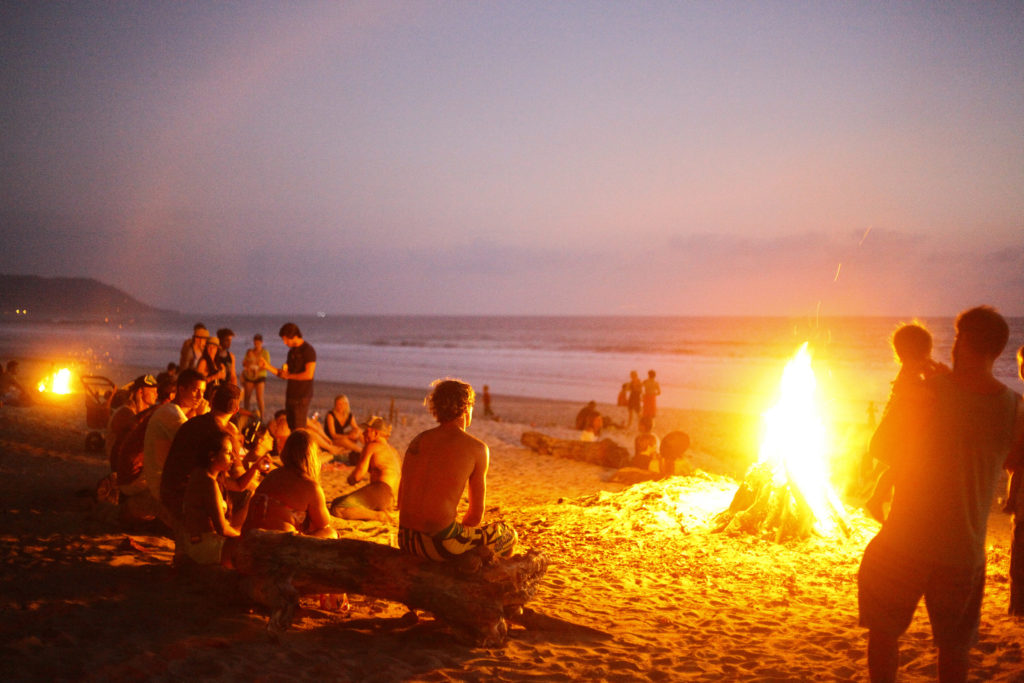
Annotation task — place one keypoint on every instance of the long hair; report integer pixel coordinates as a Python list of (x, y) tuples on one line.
[(301, 454)]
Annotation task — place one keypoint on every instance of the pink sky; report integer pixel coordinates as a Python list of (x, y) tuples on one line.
[(527, 157)]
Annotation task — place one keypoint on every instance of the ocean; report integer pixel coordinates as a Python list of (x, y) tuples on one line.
[(711, 363)]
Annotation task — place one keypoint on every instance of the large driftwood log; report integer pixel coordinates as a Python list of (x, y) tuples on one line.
[(605, 452), (475, 594)]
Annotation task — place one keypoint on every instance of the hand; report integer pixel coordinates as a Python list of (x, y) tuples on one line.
[(264, 464), (352, 479), (263, 364)]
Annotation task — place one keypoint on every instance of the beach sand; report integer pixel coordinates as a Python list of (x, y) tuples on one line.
[(82, 599)]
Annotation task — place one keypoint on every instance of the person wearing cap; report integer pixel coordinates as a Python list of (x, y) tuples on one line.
[(438, 465), (379, 460), (141, 395), (254, 376), (192, 348)]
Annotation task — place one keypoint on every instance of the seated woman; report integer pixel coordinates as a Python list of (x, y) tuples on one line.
[(341, 428), (207, 532), (290, 498)]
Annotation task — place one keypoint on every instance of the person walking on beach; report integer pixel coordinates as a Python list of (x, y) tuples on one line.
[(957, 431), (633, 406), (254, 376), (438, 464), (651, 392), (298, 371)]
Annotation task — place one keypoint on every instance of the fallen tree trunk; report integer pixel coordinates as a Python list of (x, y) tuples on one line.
[(605, 452), (475, 594)]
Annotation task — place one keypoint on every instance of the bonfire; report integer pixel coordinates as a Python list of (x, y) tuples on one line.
[(787, 492)]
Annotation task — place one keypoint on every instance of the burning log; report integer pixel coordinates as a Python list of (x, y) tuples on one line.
[(763, 507), (605, 452), (476, 595)]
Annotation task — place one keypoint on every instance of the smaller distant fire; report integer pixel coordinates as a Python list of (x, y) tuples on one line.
[(57, 383)]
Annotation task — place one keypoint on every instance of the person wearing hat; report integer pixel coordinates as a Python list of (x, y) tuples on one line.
[(141, 395), (254, 376), (192, 348), (379, 460), (208, 368)]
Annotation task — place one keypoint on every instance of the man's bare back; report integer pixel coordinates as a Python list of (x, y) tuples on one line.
[(438, 464)]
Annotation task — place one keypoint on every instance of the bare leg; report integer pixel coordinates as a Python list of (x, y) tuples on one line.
[(259, 400), (883, 657), (953, 664), (248, 395)]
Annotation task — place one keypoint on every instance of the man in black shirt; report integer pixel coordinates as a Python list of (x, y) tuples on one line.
[(298, 370)]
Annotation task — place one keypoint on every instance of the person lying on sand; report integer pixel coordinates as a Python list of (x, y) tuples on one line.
[(438, 464), (280, 431), (379, 459), (207, 532), (290, 498)]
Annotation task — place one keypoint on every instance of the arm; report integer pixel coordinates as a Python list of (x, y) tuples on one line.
[(231, 373), (318, 519), (477, 489), (305, 374), (359, 473), (214, 504)]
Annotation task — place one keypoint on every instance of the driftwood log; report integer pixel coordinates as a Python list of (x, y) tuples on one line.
[(605, 452), (476, 595)]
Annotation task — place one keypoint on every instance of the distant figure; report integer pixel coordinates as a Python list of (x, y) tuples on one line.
[(953, 437), (341, 428), (912, 345), (379, 460), (650, 399), (1015, 505), (633, 402), (193, 347), (438, 465), (254, 375), (290, 498), (673, 447), (207, 535), (487, 402), (12, 393), (298, 370), (589, 421), (645, 445)]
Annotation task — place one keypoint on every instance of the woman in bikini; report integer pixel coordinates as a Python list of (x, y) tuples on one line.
[(290, 498)]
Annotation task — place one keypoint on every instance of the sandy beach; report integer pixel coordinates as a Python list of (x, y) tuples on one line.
[(672, 600)]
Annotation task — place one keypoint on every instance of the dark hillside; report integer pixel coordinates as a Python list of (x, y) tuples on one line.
[(31, 297)]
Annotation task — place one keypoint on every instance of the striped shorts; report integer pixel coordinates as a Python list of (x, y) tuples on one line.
[(456, 539)]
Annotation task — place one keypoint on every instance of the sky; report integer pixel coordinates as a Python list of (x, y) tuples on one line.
[(553, 158)]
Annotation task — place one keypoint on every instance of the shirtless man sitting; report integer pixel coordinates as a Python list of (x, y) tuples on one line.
[(438, 464), (379, 459)]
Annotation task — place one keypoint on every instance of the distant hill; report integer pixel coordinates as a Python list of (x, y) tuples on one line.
[(66, 298)]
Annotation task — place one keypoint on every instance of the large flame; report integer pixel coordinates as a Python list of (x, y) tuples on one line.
[(795, 439), (58, 383)]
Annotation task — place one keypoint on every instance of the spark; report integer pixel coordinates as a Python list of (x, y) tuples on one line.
[(838, 268), (864, 236)]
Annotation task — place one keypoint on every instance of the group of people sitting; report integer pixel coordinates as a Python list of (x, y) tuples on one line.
[(189, 458)]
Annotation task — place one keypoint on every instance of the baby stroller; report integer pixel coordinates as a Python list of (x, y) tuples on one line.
[(99, 393)]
